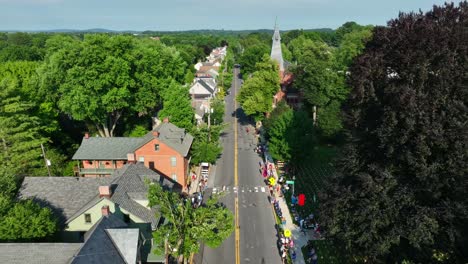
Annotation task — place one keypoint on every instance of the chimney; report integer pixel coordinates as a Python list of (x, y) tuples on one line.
[(105, 210), (86, 135), (105, 191), (156, 133), (166, 120)]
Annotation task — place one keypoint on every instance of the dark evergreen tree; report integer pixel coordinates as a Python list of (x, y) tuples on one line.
[(400, 193)]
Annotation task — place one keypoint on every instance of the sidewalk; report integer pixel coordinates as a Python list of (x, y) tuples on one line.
[(300, 239), (194, 186)]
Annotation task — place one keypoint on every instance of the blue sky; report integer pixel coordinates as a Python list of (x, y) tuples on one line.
[(204, 14)]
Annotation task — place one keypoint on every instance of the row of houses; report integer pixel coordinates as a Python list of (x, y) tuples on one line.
[(103, 212), (204, 86)]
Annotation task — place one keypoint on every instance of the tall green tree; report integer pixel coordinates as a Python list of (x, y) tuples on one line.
[(187, 227), (256, 95), (400, 193), (251, 56), (177, 106), (20, 132), (352, 44), (321, 72), (206, 146), (290, 134), (322, 85), (27, 221), (103, 77)]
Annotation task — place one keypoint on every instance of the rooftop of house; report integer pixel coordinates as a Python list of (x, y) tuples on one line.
[(106, 148), (64, 195), (103, 243), (38, 253), (209, 80), (69, 197), (204, 84), (205, 68), (176, 138), (117, 148), (108, 241)]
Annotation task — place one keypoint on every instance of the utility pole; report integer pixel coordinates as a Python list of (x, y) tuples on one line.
[(47, 162), (209, 111)]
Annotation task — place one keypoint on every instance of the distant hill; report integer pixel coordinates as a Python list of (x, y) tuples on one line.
[(91, 30), (197, 31)]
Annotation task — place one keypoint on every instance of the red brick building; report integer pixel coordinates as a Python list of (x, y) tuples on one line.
[(165, 150)]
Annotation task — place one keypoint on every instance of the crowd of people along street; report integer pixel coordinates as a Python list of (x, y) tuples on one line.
[(277, 189)]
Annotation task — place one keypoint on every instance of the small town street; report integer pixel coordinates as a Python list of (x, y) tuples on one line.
[(256, 234)]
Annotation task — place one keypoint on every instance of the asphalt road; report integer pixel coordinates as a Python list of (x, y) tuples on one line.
[(257, 237)]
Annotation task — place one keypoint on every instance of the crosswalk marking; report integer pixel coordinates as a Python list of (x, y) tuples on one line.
[(237, 189)]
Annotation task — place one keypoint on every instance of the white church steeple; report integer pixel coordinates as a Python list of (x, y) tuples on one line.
[(276, 53)]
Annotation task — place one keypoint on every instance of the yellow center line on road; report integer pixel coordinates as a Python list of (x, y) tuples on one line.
[(236, 207)]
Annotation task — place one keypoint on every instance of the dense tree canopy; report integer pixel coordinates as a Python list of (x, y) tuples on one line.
[(20, 132), (321, 72), (177, 106), (401, 188), (27, 221), (251, 56), (206, 146), (101, 78), (22, 46), (290, 134), (256, 95)]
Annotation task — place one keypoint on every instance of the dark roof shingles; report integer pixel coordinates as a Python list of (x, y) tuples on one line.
[(64, 195), (37, 253), (98, 247), (106, 148)]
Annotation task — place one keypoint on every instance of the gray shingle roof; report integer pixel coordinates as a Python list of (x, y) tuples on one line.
[(174, 137), (104, 148), (117, 148), (131, 180), (99, 247), (37, 253), (64, 195), (107, 242), (69, 197)]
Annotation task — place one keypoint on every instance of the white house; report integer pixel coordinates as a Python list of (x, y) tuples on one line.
[(203, 88)]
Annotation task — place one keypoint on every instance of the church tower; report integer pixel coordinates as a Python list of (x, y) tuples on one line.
[(276, 53)]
